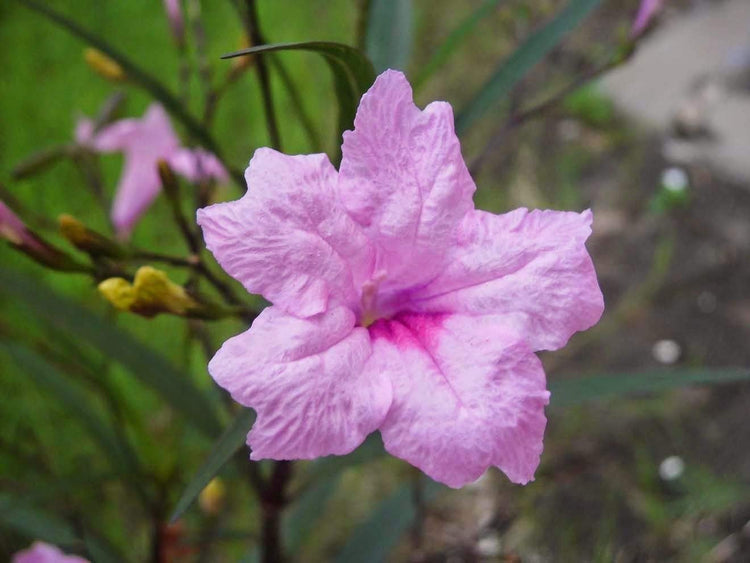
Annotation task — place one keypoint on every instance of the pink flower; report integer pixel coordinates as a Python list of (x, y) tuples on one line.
[(176, 22), (146, 141), (41, 552), (646, 12), (396, 305)]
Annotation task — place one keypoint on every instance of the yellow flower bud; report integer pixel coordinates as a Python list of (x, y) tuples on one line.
[(151, 293), (87, 240), (103, 65), (211, 498), (118, 292), (154, 290)]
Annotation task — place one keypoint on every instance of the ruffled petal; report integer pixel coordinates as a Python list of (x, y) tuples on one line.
[(287, 238), (467, 394), (531, 267), (403, 179), (304, 379)]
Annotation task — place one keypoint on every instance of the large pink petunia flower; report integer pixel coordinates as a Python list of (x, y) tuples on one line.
[(144, 142), (396, 305), (41, 552)]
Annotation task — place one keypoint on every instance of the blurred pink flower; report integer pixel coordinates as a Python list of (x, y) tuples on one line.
[(41, 552), (176, 22), (646, 12), (397, 306), (145, 141)]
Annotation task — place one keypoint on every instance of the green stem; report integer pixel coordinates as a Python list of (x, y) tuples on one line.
[(256, 38)]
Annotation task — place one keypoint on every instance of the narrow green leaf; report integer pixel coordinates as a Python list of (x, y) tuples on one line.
[(569, 392), (352, 72), (135, 74), (523, 59), (225, 447), (151, 368), (36, 523), (115, 449), (389, 34), (302, 516), (454, 40), (373, 539)]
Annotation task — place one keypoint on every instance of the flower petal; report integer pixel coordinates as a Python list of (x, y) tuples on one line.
[(304, 379), (467, 394), (403, 179), (287, 238), (197, 165), (41, 552), (531, 267), (115, 137), (138, 187)]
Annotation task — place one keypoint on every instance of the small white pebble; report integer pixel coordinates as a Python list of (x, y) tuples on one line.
[(671, 468), (674, 179), (666, 351), (489, 546)]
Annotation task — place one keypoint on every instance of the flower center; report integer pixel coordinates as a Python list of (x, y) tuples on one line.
[(369, 299)]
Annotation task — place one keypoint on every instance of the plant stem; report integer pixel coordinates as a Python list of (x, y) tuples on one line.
[(256, 38), (515, 119), (273, 500)]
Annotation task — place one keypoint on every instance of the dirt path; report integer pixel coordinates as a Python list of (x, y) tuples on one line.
[(691, 78)]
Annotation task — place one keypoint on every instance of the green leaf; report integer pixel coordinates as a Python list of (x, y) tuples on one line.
[(373, 539), (569, 392), (323, 476), (371, 448), (523, 59), (454, 40), (389, 34), (137, 75), (151, 368), (225, 447), (115, 449), (36, 523), (352, 72), (301, 517)]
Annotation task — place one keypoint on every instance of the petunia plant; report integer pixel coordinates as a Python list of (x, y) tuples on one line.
[(382, 311)]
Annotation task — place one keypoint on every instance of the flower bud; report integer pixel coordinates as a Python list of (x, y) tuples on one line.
[(16, 233), (87, 240), (151, 293), (241, 63), (176, 21), (39, 162), (212, 497), (103, 65), (119, 292)]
